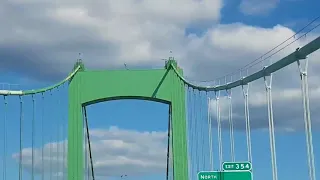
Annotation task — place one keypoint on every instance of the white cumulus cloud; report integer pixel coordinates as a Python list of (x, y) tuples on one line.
[(115, 152), (257, 7)]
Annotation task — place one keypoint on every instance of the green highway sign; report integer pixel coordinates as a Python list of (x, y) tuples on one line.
[(225, 175), (236, 166)]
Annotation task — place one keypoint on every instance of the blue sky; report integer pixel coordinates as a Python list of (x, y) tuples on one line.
[(20, 66)]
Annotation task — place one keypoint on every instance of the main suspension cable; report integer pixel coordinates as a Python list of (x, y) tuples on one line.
[(261, 59)]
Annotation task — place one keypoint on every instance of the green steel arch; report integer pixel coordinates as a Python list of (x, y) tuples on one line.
[(161, 85)]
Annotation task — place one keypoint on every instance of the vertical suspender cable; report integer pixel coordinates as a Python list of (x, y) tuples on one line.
[(210, 133), (192, 129), (85, 149), (61, 160), (5, 138), (219, 129), (231, 128), (58, 140), (188, 129), (64, 154), (61, 149), (168, 148), (205, 133), (50, 148), (32, 138), (50, 157), (64, 147), (171, 131), (89, 144), (20, 133), (271, 127), (196, 133), (247, 117), (42, 137), (202, 131), (179, 94), (309, 128), (307, 119), (199, 130), (171, 147)]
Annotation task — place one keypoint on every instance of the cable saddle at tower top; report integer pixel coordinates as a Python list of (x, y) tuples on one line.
[(299, 54)]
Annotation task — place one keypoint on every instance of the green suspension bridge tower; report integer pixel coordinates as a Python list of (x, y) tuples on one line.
[(160, 85)]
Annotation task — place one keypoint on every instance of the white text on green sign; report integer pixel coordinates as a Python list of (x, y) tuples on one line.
[(208, 175), (236, 166)]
